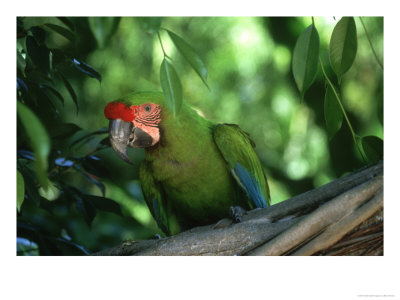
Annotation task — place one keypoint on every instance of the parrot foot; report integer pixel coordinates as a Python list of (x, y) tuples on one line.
[(236, 213)]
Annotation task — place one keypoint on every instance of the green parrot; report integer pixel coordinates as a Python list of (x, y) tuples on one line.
[(195, 171)]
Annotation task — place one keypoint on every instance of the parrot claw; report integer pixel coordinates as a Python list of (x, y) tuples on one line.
[(236, 213)]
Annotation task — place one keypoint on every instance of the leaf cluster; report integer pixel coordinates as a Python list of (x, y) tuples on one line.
[(60, 177), (169, 78), (342, 53)]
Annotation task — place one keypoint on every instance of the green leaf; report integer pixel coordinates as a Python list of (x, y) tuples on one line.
[(39, 54), (63, 130), (62, 31), (29, 182), (39, 34), (88, 136), (94, 166), (150, 24), (373, 148), (39, 140), (51, 193), (190, 55), (171, 86), (104, 204), (343, 45), (71, 91), (55, 92), (333, 113), (20, 190), (21, 86), (85, 68), (103, 28), (91, 179), (86, 209), (67, 22), (305, 59)]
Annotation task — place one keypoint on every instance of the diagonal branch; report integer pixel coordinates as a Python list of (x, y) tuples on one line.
[(335, 208)]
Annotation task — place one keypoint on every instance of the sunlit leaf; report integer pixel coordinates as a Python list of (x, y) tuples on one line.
[(21, 63), (51, 193), (373, 148), (26, 247), (171, 86), (190, 55), (20, 190), (62, 31), (39, 54), (150, 24), (343, 45), (103, 28), (333, 113), (63, 162), (305, 59), (85, 68), (39, 140)]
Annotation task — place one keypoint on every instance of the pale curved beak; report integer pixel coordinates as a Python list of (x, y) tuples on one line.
[(119, 134), (123, 134)]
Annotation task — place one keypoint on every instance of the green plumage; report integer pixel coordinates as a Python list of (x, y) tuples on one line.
[(198, 170)]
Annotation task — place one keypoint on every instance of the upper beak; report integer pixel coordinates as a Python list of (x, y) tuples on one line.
[(120, 132)]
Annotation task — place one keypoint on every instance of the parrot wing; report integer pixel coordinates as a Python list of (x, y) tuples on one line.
[(153, 194), (237, 148)]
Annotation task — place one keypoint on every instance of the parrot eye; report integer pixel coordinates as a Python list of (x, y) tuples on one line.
[(147, 108)]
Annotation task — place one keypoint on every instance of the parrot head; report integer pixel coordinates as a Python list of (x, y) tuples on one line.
[(134, 122)]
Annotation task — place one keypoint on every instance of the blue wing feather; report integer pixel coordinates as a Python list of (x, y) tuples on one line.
[(251, 186), (237, 149)]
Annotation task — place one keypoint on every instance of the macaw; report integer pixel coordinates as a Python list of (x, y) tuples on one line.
[(195, 171)]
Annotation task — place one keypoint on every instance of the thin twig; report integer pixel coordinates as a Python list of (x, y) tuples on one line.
[(353, 134), (370, 43)]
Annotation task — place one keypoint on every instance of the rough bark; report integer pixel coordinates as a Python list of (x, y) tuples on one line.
[(343, 217)]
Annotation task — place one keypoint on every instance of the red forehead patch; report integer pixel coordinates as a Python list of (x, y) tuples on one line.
[(118, 110)]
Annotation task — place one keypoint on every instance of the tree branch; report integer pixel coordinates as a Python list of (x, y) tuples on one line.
[(303, 225)]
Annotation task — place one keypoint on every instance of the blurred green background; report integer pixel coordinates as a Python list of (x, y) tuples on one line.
[(251, 84)]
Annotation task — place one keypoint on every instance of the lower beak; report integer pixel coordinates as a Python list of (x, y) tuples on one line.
[(124, 134)]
